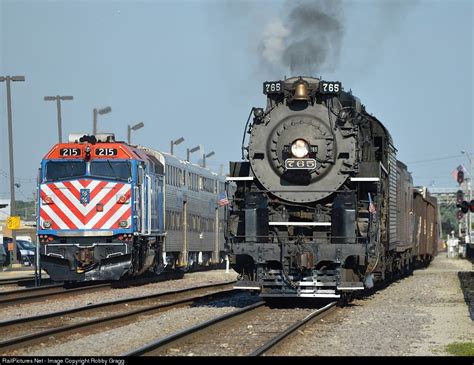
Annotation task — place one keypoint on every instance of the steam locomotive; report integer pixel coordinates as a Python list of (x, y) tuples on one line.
[(107, 209), (323, 208)]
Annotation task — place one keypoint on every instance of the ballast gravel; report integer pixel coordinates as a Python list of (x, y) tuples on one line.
[(54, 304), (416, 316)]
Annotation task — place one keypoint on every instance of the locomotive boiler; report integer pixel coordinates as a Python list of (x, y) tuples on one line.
[(322, 208)]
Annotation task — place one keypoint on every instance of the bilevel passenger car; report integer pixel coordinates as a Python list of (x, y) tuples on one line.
[(107, 209), (323, 209)]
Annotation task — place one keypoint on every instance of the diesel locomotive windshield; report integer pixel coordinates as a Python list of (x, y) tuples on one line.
[(119, 170), (59, 170)]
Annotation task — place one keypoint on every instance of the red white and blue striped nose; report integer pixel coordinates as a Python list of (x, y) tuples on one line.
[(85, 204)]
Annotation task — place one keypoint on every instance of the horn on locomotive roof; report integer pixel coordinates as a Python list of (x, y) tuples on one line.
[(99, 137), (301, 90)]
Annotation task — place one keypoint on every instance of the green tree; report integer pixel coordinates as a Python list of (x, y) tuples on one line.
[(449, 221)]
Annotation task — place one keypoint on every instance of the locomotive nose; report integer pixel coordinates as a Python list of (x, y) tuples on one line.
[(299, 148)]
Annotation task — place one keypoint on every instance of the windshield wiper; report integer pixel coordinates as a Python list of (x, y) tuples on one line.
[(113, 171)]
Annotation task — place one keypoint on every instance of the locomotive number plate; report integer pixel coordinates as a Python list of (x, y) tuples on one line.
[(69, 152), (272, 87), (106, 152), (300, 163), (329, 87)]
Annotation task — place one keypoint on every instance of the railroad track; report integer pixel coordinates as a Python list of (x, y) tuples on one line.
[(34, 294), (235, 333), (22, 333)]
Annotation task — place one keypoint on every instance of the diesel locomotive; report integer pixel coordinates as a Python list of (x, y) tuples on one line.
[(323, 208), (107, 210)]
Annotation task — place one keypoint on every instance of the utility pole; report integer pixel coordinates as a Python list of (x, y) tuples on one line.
[(8, 79), (133, 128), (175, 142), (204, 156), (189, 151), (105, 110), (58, 99)]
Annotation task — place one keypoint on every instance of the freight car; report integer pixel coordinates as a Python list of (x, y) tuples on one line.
[(107, 209), (323, 208)]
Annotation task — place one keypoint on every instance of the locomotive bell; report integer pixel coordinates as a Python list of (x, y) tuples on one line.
[(301, 90)]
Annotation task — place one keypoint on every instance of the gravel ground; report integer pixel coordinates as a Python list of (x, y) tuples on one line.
[(418, 315), (54, 305)]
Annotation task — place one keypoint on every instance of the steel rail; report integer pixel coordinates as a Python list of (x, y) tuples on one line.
[(28, 290), (153, 346), (277, 339), (22, 281), (13, 343), (16, 296)]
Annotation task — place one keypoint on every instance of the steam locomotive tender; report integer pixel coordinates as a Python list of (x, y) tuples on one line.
[(322, 207), (108, 209)]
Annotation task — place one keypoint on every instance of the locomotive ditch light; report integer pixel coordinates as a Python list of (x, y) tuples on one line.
[(47, 200), (300, 148), (47, 224), (464, 207), (122, 199)]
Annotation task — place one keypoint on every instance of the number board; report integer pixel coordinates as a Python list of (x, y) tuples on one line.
[(106, 151), (329, 87), (272, 87), (300, 163), (69, 152)]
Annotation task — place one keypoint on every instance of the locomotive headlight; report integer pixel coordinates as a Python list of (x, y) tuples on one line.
[(299, 148)]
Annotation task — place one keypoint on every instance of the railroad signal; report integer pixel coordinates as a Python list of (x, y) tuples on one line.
[(471, 206), (459, 197), (460, 177), (464, 207), (459, 215)]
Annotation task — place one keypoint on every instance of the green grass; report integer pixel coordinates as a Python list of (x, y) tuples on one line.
[(461, 348)]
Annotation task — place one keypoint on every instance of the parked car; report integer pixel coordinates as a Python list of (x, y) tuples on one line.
[(25, 251)]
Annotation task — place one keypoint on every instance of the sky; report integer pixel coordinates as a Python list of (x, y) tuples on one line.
[(194, 69)]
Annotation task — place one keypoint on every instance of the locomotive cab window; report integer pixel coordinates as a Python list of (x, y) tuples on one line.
[(60, 170), (119, 170)]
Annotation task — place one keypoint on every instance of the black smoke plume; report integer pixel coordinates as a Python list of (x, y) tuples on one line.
[(308, 38)]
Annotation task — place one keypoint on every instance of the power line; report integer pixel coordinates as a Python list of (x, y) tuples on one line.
[(435, 159)]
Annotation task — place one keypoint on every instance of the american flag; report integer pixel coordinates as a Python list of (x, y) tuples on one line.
[(372, 209), (223, 199)]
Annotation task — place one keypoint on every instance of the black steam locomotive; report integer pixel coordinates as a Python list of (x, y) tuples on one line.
[(322, 207)]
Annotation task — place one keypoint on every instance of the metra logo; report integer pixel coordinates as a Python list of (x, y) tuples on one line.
[(85, 196)]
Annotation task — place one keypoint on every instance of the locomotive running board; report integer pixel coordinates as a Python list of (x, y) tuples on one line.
[(299, 223), (247, 287)]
